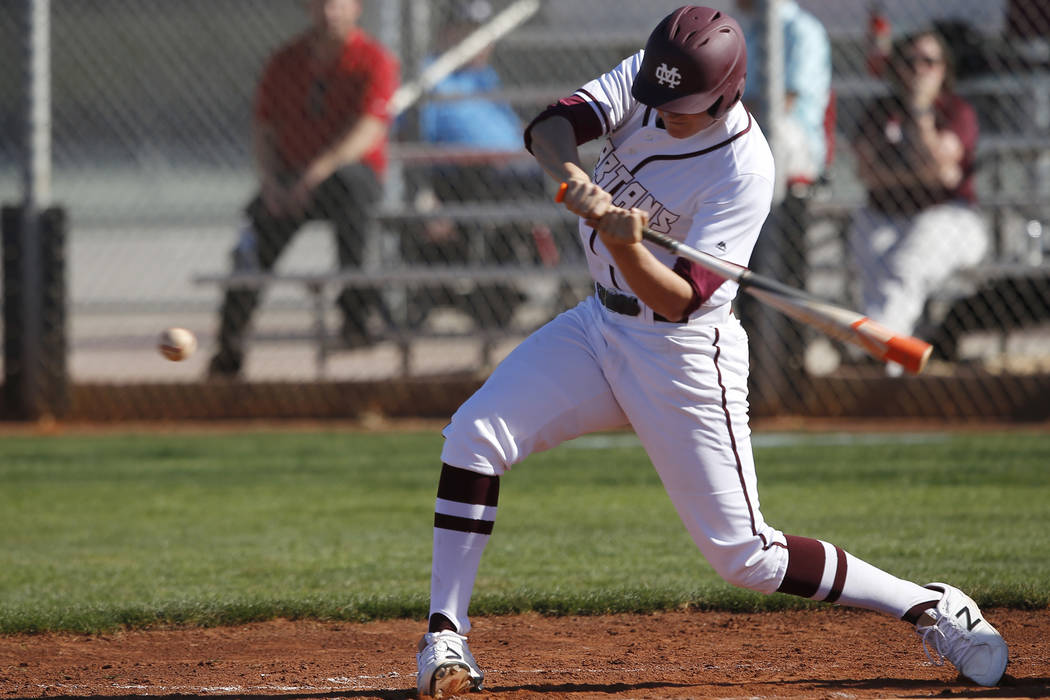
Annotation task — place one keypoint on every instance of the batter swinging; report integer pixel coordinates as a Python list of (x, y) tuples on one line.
[(657, 347)]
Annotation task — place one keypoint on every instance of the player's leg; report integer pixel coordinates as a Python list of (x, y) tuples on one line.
[(709, 474), (548, 390), (872, 238), (272, 235), (936, 243), (350, 200), (691, 417)]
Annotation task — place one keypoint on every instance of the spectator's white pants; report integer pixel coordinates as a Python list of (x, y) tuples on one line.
[(901, 259)]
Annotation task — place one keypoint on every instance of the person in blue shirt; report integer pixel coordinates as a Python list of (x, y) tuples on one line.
[(807, 87), (802, 152), (461, 113), (472, 119)]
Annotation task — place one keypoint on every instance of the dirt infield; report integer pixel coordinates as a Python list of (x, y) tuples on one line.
[(826, 653)]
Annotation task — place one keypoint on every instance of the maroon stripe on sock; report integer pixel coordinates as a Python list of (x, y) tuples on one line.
[(454, 522), (465, 486), (840, 576), (805, 567)]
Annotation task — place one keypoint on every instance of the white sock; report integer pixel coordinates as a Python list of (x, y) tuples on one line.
[(872, 588), (822, 571), (457, 556)]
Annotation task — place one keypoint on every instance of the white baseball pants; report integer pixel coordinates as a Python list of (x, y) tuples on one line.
[(683, 388)]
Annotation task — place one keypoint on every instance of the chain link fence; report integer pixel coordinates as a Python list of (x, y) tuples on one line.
[(152, 162), (959, 259)]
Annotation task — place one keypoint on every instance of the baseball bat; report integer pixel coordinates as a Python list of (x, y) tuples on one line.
[(494, 29), (840, 323)]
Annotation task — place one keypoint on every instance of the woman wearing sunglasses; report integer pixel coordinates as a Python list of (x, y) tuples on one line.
[(915, 156)]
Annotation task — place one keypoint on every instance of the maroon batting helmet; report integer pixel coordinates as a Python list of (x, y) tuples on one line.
[(695, 61)]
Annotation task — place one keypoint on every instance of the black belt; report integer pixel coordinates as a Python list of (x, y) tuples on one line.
[(622, 303)]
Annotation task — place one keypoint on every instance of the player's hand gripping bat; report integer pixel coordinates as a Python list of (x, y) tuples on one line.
[(839, 323)]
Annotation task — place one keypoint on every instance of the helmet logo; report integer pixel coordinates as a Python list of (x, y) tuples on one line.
[(669, 76)]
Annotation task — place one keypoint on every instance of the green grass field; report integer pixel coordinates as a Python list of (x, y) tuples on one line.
[(145, 529)]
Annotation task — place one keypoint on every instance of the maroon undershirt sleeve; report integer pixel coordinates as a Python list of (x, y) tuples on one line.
[(585, 123), (703, 282)]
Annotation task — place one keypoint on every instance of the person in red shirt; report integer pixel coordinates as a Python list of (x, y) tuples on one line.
[(915, 156), (319, 141)]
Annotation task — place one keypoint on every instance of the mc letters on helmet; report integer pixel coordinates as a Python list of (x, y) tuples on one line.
[(668, 76)]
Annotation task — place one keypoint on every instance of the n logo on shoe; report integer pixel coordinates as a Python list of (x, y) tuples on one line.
[(970, 622), (456, 655)]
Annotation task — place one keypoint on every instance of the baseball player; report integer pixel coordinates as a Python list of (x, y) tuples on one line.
[(658, 348)]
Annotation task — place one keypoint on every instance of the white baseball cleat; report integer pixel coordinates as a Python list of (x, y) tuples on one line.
[(445, 666), (960, 634)]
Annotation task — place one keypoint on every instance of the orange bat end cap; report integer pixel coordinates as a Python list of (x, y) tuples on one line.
[(910, 353), (562, 188)]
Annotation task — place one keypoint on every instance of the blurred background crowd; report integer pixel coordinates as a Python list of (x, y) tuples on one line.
[(912, 140)]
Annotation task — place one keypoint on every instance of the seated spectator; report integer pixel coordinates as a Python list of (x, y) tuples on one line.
[(915, 156), (801, 149), (319, 141), (474, 119), (464, 115)]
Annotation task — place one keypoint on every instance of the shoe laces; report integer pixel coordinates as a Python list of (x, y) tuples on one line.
[(949, 641)]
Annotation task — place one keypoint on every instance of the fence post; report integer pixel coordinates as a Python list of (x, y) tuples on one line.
[(35, 379)]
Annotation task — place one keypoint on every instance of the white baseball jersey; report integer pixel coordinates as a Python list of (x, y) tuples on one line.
[(711, 191), (682, 386)]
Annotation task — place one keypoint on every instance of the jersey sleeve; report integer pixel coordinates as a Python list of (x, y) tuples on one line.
[(730, 216), (963, 122), (807, 70), (384, 81), (610, 95), (597, 108), (727, 225), (267, 91)]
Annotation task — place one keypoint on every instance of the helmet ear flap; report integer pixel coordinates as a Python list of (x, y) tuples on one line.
[(715, 109)]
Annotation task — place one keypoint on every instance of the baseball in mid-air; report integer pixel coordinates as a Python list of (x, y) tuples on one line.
[(176, 344)]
